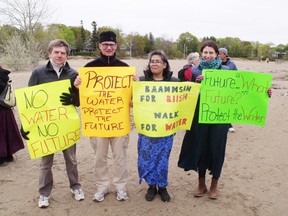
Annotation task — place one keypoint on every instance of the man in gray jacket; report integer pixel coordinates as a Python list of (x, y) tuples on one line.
[(56, 69)]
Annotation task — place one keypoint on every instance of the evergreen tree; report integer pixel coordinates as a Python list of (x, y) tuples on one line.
[(95, 36)]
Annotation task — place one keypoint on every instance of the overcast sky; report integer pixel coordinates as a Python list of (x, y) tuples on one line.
[(250, 20)]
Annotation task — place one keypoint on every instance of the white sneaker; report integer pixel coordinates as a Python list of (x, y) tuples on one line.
[(43, 201), (231, 129), (122, 195), (78, 194), (100, 195)]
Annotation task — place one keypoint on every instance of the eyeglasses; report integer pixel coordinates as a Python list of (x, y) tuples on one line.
[(156, 62), (106, 45)]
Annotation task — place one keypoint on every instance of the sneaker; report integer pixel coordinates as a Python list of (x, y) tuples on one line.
[(43, 201), (231, 130), (100, 195), (78, 194), (122, 195), (151, 193), (164, 194)]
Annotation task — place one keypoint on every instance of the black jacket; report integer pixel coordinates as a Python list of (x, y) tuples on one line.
[(46, 74), (148, 76), (4, 77), (105, 61)]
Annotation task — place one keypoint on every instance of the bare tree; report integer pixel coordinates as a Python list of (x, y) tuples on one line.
[(16, 53), (25, 14)]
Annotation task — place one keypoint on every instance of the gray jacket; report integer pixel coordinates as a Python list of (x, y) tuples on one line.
[(46, 74)]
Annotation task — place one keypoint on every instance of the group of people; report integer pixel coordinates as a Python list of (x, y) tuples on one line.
[(203, 146)]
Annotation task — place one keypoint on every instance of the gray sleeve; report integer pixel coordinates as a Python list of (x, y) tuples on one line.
[(33, 78)]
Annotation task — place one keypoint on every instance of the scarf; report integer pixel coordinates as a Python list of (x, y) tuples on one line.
[(214, 64)]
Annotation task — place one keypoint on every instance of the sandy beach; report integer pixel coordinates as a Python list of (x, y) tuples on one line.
[(253, 182)]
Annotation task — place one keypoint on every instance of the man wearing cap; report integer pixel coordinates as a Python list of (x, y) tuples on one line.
[(100, 145), (223, 54), (108, 47)]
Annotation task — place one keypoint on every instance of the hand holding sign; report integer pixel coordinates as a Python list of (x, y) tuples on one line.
[(69, 99), (269, 92), (24, 134), (199, 78)]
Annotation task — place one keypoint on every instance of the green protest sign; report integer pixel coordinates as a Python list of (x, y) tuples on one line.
[(229, 96)]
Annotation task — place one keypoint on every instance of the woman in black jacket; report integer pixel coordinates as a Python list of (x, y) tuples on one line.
[(10, 138), (154, 152)]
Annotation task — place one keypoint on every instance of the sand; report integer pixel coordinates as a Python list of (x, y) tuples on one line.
[(253, 181)]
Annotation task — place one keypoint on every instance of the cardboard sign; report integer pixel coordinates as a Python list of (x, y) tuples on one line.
[(234, 97), (52, 126), (105, 96), (162, 108)]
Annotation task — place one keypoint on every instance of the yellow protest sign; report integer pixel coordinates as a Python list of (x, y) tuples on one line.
[(105, 96), (52, 126), (229, 96), (162, 108)]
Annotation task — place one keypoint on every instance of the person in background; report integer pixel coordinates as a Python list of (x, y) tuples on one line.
[(100, 145), (185, 73), (56, 69), (10, 138), (154, 152), (226, 60)]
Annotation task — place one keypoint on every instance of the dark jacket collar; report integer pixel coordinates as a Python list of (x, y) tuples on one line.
[(149, 76), (50, 67), (4, 74), (107, 59)]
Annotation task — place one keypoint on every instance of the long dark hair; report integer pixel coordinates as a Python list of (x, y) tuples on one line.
[(167, 73)]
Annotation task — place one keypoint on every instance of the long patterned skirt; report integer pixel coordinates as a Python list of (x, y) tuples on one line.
[(153, 159)]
